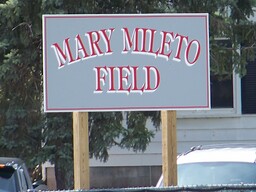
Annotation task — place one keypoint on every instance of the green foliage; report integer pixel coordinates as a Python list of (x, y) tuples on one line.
[(20, 83), (136, 136), (103, 6), (107, 130), (229, 20), (26, 132), (58, 146)]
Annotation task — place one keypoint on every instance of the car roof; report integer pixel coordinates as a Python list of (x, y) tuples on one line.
[(13, 160), (219, 153)]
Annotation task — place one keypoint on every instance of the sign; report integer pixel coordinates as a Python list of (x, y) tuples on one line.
[(126, 62)]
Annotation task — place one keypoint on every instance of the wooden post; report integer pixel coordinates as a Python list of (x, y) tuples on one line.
[(81, 150), (169, 148)]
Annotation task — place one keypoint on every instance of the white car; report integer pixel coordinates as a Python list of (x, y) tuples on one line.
[(216, 165)]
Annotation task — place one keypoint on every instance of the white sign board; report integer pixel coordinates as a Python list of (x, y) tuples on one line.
[(126, 62)]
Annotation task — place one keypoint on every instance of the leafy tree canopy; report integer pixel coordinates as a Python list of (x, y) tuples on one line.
[(26, 132)]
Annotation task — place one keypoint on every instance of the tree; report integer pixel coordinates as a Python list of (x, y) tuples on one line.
[(23, 124), (28, 133), (20, 81), (229, 19)]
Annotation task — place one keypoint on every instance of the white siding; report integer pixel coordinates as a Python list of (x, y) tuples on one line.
[(190, 132)]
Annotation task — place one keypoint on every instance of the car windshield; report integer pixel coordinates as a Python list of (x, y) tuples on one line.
[(7, 179), (211, 173)]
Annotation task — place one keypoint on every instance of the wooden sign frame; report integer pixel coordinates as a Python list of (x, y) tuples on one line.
[(81, 149)]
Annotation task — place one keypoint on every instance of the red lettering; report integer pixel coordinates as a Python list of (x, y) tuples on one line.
[(135, 88), (127, 79), (143, 41), (123, 78), (111, 79), (100, 78), (151, 42), (94, 38), (148, 79), (80, 48), (127, 40), (167, 38), (107, 39), (63, 55), (197, 52), (179, 46)]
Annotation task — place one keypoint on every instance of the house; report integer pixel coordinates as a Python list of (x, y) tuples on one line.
[(232, 119)]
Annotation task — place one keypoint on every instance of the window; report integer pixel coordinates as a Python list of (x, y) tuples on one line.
[(212, 173), (248, 89), (225, 89), (221, 92), (7, 179), (222, 84)]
